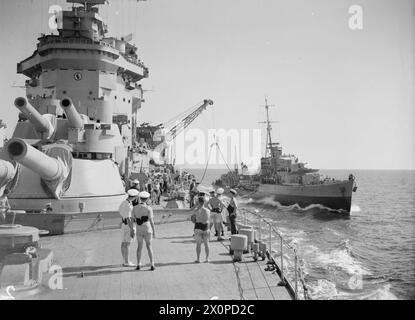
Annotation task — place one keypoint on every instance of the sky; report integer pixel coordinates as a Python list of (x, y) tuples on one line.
[(344, 99)]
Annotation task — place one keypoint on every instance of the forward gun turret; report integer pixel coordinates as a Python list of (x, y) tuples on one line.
[(46, 167), (74, 118), (7, 172), (39, 122)]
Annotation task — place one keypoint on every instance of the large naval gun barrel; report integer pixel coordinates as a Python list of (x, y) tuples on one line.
[(75, 120), (40, 123), (7, 172), (46, 167)]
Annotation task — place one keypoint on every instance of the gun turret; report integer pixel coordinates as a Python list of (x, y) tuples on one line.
[(75, 120), (7, 172), (46, 167), (40, 123)]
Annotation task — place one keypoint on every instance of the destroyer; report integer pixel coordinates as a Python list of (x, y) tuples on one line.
[(288, 181)]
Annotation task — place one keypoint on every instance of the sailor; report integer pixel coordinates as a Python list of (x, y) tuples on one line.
[(193, 192), (212, 213), (201, 231), (216, 207), (4, 206), (135, 184), (127, 227), (143, 217), (156, 191), (232, 207), (220, 197)]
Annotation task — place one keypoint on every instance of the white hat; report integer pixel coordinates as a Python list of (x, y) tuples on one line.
[(136, 181), (220, 191), (132, 192), (144, 195)]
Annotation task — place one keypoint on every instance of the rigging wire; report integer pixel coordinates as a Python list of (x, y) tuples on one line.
[(220, 151), (207, 162)]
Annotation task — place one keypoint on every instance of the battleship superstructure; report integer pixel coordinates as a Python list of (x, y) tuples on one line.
[(78, 120), (289, 182)]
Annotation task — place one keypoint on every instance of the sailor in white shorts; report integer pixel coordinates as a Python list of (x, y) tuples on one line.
[(127, 227), (143, 217)]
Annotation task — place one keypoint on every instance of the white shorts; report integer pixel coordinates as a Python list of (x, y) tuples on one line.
[(216, 217), (201, 235), (126, 233)]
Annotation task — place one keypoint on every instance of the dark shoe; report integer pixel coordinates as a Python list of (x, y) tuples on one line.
[(153, 268), (137, 268)]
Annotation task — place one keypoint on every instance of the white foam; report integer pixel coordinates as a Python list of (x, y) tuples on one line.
[(355, 208), (269, 201), (324, 289), (383, 293), (342, 258)]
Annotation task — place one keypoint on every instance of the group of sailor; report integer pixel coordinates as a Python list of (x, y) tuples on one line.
[(222, 210), (209, 211), (137, 222)]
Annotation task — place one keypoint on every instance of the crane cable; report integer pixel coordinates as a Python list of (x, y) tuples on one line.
[(207, 162)]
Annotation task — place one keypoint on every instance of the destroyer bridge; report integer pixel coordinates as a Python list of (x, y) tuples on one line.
[(92, 270)]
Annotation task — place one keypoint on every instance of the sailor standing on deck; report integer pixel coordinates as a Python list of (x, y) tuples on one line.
[(201, 231), (4, 206), (232, 207), (216, 207), (143, 217), (127, 227)]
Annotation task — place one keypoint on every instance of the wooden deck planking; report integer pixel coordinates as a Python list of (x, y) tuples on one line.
[(97, 254)]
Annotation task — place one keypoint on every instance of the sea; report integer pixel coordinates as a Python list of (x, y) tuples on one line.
[(367, 255)]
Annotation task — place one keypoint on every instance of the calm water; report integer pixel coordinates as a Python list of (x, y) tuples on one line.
[(376, 243)]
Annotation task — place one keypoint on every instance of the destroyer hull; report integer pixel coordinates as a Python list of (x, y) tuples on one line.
[(336, 196)]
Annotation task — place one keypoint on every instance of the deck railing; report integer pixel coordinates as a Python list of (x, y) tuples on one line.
[(280, 252)]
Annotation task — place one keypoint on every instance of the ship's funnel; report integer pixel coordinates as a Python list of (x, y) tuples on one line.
[(40, 123), (46, 167), (75, 120)]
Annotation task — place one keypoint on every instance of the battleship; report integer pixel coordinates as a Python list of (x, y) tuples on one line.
[(288, 181), (65, 170), (79, 119)]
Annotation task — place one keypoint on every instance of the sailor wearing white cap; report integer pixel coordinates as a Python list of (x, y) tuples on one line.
[(127, 227), (143, 217)]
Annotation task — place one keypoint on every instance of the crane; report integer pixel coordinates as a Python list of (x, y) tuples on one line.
[(183, 124), (166, 137)]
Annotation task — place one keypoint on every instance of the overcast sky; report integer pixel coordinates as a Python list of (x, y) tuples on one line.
[(344, 98)]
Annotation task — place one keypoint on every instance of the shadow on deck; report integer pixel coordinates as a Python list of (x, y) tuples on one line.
[(92, 269)]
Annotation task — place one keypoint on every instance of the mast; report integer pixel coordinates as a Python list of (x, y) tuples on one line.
[(268, 145)]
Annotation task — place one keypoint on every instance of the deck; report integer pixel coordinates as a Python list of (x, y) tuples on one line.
[(91, 265)]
